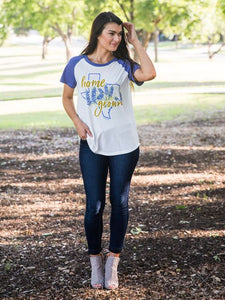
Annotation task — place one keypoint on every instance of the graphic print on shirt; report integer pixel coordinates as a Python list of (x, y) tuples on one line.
[(105, 96)]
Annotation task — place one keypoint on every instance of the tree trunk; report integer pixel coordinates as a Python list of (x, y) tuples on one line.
[(132, 11), (68, 45), (46, 41), (176, 40), (144, 37), (66, 37), (45, 47), (212, 53), (156, 41)]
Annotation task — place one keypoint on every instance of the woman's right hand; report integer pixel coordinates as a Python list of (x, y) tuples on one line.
[(82, 130)]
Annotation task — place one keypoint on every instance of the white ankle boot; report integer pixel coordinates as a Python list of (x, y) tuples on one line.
[(111, 276), (97, 272)]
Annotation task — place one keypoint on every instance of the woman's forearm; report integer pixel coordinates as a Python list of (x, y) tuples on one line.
[(147, 67), (69, 107), (82, 129), (147, 70)]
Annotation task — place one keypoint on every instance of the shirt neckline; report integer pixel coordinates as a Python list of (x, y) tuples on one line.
[(98, 65)]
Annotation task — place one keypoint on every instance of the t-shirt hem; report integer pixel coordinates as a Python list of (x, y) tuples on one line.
[(117, 152)]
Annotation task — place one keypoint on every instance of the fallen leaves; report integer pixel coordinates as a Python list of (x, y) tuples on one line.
[(174, 247)]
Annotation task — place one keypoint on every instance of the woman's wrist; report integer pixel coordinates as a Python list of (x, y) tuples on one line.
[(76, 120), (136, 43)]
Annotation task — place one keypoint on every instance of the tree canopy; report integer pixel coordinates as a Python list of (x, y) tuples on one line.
[(194, 20)]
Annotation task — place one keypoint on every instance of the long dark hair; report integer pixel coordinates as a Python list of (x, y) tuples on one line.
[(97, 28)]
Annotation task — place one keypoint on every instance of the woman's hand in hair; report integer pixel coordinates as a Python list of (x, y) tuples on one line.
[(131, 33), (147, 69)]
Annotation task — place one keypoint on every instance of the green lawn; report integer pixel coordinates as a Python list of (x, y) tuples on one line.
[(182, 108), (162, 108), (24, 75), (31, 94)]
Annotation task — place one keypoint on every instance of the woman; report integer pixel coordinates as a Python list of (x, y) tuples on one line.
[(105, 123)]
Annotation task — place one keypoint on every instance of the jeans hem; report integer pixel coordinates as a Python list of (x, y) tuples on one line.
[(94, 252), (117, 251)]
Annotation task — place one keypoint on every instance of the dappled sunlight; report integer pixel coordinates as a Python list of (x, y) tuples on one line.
[(50, 186), (180, 147), (177, 234), (35, 156), (171, 178), (176, 209)]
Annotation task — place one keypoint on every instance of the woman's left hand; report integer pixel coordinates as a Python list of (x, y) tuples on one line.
[(131, 33)]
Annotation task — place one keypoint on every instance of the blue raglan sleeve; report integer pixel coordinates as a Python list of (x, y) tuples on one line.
[(127, 67), (68, 76), (136, 66)]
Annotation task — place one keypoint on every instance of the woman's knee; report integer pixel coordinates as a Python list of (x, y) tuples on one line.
[(95, 209)]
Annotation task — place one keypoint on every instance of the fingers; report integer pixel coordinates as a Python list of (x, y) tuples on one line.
[(128, 25), (89, 132), (83, 135), (131, 33), (84, 132)]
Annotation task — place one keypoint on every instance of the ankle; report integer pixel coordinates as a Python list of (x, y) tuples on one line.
[(113, 254), (93, 255)]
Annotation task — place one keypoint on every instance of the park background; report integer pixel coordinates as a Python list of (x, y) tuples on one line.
[(175, 242)]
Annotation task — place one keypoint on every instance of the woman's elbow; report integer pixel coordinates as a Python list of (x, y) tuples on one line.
[(150, 76)]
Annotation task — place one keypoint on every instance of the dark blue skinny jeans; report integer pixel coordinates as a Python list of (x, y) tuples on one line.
[(94, 169)]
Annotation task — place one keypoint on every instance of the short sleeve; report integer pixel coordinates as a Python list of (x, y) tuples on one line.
[(136, 66), (68, 76), (127, 66)]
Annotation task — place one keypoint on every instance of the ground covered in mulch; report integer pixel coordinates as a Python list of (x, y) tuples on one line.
[(175, 244)]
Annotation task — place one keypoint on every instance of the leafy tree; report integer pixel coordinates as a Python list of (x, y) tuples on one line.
[(214, 26), (3, 26), (149, 16), (196, 20), (165, 16), (50, 17), (205, 24)]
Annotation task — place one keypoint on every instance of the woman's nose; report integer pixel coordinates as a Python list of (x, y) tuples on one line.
[(117, 38)]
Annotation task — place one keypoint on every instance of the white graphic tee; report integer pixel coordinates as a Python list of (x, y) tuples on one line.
[(104, 103)]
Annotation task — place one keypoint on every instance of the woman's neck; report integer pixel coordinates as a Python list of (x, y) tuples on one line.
[(101, 57)]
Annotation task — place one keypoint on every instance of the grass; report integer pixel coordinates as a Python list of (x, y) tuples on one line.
[(182, 69), (179, 84), (35, 90), (35, 120), (183, 109), (161, 108), (31, 94)]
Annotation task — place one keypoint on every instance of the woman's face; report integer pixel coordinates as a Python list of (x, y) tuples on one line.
[(110, 37)]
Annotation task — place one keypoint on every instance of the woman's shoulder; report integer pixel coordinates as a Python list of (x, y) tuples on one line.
[(125, 63), (75, 59)]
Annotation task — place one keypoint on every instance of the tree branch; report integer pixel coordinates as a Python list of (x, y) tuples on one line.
[(123, 9), (211, 54), (57, 28), (218, 50)]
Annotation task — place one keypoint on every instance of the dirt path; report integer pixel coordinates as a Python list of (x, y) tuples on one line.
[(175, 244)]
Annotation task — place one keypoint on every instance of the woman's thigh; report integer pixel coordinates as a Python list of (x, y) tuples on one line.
[(94, 169), (121, 170)]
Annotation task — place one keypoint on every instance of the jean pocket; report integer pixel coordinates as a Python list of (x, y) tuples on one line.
[(83, 142)]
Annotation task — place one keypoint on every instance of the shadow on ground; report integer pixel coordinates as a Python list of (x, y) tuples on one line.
[(175, 243)]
